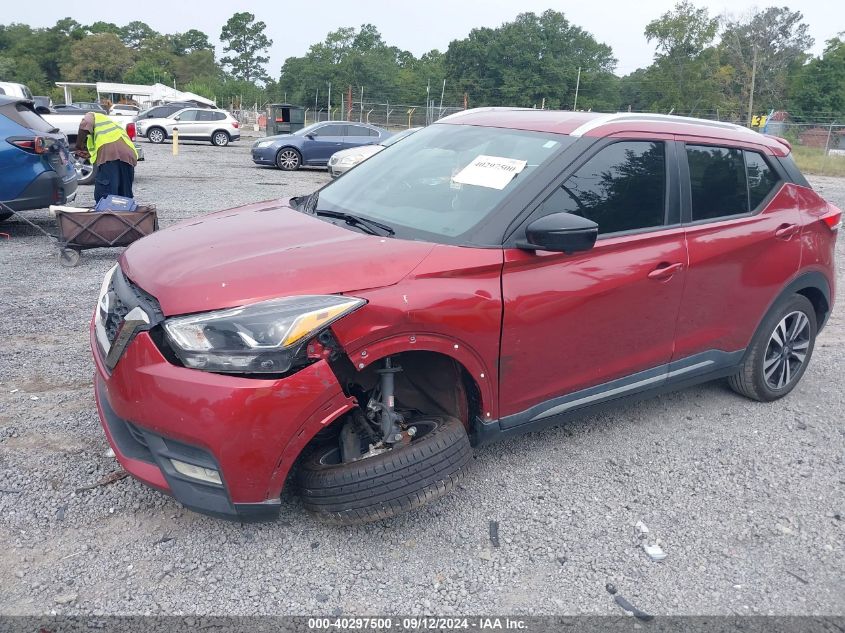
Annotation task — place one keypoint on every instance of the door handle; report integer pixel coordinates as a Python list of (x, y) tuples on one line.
[(786, 231), (665, 271)]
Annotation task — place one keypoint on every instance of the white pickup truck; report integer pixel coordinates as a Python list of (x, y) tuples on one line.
[(69, 122)]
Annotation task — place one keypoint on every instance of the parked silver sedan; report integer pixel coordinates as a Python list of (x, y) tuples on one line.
[(346, 159)]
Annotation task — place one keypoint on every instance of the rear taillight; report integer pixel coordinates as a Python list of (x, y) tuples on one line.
[(833, 218), (235, 124), (35, 145), (130, 131)]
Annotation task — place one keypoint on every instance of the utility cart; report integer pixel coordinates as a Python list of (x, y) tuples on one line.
[(80, 231)]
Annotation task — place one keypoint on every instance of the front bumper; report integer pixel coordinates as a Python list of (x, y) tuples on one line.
[(264, 155), (249, 430)]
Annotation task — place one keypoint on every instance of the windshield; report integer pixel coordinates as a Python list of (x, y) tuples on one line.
[(443, 181), (398, 137)]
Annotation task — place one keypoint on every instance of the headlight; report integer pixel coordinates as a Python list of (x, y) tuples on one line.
[(349, 161), (262, 338), (264, 143)]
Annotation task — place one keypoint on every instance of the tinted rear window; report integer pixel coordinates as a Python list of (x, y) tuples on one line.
[(761, 178), (23, 115), (717, 178)]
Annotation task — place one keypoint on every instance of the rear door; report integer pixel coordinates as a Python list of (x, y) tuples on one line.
[(357, 135), (593, 320), (742, 230)]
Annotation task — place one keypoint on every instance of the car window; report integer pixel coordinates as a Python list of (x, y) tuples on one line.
[(23, 115), (717, 181), (761, 178), (330, 130), (189, 115), (219, 116), (205, 115), (622, 188), (374, 133), (358, 130)]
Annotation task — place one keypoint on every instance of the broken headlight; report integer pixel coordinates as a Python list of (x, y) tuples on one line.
[(261, 338)]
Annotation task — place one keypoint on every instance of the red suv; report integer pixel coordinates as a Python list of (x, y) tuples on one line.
[(493, 274)]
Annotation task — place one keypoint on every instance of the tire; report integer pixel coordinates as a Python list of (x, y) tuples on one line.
[(288, 159), (220, 138), (69, 257), (387, 484), (770, 370), (84, 172), (156, 135)]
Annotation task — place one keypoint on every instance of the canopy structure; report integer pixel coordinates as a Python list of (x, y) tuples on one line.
[(143, 95)]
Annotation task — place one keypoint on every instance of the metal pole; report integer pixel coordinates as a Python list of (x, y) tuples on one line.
[(317, 114), (361, 113), (753, 78), (442, 90), (329, 102), (577, 85)]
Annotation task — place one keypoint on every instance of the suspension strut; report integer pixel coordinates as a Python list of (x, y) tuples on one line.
[(390, 420)]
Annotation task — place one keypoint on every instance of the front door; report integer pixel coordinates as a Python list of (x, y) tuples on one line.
[(597, 324), (327, 139)]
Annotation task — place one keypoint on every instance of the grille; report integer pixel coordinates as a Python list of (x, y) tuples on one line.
[(118, 309), (123, 297)]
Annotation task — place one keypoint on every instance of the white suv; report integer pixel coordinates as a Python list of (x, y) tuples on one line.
[(196, 124)]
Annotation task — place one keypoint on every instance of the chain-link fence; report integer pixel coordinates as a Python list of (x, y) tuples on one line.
[(818, 147)]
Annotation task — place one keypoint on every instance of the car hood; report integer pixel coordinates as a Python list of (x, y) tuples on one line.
[(361, 150), (262, 251)]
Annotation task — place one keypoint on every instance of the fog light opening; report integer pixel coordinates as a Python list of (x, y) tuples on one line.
[(197, 472)]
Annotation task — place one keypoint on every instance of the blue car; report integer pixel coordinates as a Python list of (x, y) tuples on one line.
[(36, 168), (315, 144)]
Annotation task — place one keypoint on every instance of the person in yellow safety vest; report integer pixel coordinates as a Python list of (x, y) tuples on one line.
[(111, 152)]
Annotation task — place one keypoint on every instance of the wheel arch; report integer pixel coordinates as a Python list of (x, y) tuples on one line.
[(331, 414), (220, 129), (813, 285), (157, 127)]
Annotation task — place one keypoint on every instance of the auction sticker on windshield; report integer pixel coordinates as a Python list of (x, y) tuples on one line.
[(494, 172)]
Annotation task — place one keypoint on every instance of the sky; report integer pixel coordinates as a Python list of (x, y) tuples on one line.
[(417, 26)]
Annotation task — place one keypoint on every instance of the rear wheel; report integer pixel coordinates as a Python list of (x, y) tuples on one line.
[(387, 483), (156, 135), (84, 172), (780, 351), (288, 159), (220, 139), (69, 257)]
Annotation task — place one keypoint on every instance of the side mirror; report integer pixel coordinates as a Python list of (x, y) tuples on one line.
[(177, 118), (309, 136), (560, 232)]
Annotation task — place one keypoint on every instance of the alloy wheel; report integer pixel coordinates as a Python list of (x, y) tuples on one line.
[(786, 350), (221, 139), (288, 159), (155, 136)]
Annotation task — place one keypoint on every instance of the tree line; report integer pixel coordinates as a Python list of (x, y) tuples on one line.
[(703, 65)]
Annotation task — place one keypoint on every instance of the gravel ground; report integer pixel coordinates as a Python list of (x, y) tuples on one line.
[(745, 498)]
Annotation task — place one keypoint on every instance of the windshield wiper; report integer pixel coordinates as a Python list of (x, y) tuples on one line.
[(371, 226)]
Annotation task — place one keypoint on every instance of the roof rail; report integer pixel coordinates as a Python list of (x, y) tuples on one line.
[(647, 116)]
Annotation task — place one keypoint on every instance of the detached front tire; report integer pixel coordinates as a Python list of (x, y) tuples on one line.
[(387, 484), (779, 352)]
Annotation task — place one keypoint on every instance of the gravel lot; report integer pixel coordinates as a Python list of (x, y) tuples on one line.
[(746, 498)]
